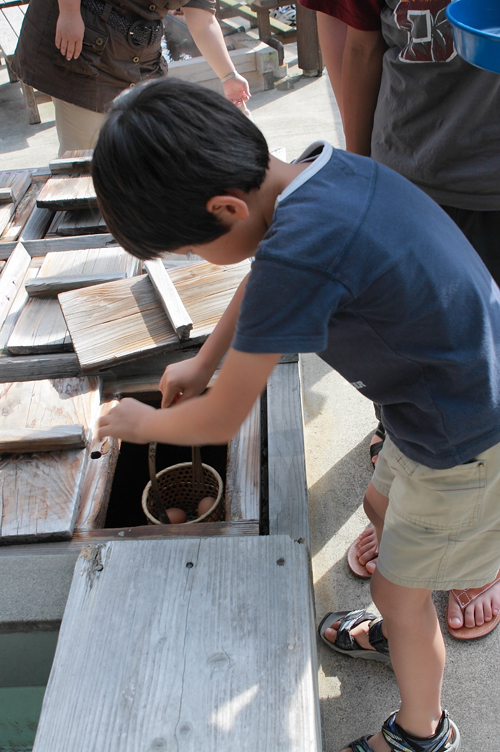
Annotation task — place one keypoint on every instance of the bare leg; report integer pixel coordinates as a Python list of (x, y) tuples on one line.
[(332, 35), (417, 654)]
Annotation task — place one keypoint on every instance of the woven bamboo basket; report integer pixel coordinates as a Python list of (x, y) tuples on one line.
[(175, 486)]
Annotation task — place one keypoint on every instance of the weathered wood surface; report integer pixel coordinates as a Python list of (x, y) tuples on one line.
[(243, 470), (41, 327), (22, 215), (124, 320), (18, 182), (37, 224), (43, 246), (20, 297), (77, 222), (152, 679), (40, 492), (169, 298), (42, 287), (79, 160), (60, 194), (288, 507), (6, 195), (29, 367), (29, 440), (10, 279)]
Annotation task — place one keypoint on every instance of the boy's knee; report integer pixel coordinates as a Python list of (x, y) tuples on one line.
[(398, 603)]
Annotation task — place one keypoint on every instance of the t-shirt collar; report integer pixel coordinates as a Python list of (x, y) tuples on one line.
[(317, 162)]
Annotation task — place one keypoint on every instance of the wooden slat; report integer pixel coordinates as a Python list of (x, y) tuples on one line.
[(22, 214), (25, 440), (15, 310), (14, 271), (124, 320), (40, 493), (29, 367), (89, 261), (37, 224), (133, 670), (243, 470), (78, 161), (6, 195), (288, 509), (169, 298), (41, 328), (77, 222), (18, 182), (59, 194), (43, 287), (40, 247)]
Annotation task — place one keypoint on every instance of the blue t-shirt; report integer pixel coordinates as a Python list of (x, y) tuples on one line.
[(363, 268)]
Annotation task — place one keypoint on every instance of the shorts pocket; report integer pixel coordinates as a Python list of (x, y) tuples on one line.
[(446, 500), (88, 62)]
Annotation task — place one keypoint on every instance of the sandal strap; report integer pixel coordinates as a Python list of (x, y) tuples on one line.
[(376, 637), (361, 744), (467, 595), (344, 639), (400, 741)]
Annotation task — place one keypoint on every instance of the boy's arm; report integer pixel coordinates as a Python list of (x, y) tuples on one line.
[(208, 37), (69, 29), (212, 418), (190, 377), (361, 75)]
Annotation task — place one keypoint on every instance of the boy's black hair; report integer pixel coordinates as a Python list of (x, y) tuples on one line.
[(165, 149)]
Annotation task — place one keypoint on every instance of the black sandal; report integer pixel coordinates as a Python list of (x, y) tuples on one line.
[(446, 738), (345, 642), (377, 446)]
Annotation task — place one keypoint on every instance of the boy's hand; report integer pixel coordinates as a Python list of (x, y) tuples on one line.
[(181, 381), (69, 34), (127, 421)]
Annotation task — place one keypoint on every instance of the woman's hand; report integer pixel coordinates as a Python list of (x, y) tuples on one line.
[(237, 90), (127, 421), (182, 381), (69, 33)]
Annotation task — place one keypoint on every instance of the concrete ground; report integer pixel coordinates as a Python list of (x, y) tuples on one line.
[(356, 696)]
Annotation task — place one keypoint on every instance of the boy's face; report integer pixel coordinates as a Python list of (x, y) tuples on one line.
[(246, 230)]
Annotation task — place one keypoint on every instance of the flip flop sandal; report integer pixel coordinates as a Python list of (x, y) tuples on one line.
[(464, 597), (347, 645), (400, 741), (354, 564)]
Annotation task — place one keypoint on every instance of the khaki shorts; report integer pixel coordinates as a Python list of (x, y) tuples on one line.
[(442, 527)]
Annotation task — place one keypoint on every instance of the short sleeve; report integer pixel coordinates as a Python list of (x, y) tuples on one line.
[(363, 15), (285, 309)]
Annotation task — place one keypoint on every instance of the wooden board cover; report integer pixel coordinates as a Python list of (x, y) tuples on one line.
[(123, 320), (195, 644), (40, 493), (59, 194)]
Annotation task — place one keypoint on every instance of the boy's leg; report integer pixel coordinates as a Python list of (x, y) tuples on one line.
[(417, 653)]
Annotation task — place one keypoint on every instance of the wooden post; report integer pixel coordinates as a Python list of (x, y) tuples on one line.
[(308, 49)]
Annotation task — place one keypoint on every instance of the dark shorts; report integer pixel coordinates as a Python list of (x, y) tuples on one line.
[(482, 230), (363, 15)]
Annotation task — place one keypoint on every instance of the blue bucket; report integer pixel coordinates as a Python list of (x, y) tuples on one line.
[(476, 31)]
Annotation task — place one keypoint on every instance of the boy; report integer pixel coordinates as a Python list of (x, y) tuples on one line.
[(355, 263)]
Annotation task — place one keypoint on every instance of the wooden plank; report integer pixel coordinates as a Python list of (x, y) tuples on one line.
[(169, 298), (40, 493), (309, 54), (41, 328), (29, 367), (124, 320), (22, 214), (80, 242), (18, 182), (131, 671), (42, 287), (27, 440), (77, 222), (6, 195), (59, 194), (243, 470), (79, 160), (37, 225), (288, 508), (10, 280), (15, 310)]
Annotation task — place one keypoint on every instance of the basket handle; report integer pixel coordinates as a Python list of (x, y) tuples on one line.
[(154, 483)]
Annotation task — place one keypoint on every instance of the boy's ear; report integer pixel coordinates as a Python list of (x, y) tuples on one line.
[(228, 209)]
